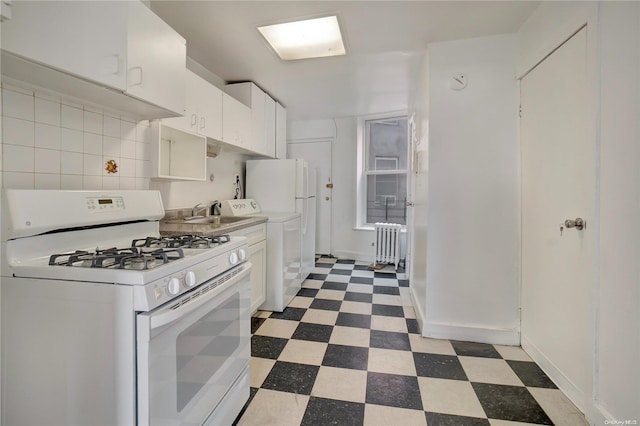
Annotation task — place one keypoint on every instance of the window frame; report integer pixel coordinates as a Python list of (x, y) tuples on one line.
[(362, 169)]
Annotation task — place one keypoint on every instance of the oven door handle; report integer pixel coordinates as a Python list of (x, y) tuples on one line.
[(170, 315)]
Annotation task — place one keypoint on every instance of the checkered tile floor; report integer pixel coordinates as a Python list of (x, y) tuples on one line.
[(347, 351)]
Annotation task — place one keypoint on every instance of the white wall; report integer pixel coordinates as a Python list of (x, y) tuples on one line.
[(472, 289), (224, 168), (614, 55)]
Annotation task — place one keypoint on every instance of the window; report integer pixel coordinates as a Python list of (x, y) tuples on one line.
[(383, 165)]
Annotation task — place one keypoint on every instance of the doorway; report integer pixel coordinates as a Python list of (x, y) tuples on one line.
[(318, 154)]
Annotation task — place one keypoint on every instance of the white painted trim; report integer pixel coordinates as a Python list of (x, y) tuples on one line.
[(345, 254), (417, 308), (471, 333), (563, 382)]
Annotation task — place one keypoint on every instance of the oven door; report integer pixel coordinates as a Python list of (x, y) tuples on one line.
[(191, 351)]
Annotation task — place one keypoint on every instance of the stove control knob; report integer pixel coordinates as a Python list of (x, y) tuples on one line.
[(173, 287), (242, 254), (233, 258), (190, 278)]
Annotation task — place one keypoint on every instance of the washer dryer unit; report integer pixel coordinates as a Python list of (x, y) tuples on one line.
[(284, 257)]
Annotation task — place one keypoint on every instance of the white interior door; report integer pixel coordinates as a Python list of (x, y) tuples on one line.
[(318, 154), (558, 183)]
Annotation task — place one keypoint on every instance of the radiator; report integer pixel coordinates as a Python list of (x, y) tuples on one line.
[(387, 244)]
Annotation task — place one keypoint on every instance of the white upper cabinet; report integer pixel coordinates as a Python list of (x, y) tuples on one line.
[(203, 110), (236, 122), (80, 47), (281, 131), (262, 116)]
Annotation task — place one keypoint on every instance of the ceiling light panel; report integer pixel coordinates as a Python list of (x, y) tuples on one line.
[(311, 38)]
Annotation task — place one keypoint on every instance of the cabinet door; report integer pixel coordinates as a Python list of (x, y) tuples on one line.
[(236, 122), (157, 55), (281, 131), (84, 38), (269, 146), (258, 259), (209, 101)]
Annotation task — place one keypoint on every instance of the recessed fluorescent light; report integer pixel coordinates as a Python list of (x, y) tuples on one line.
[(311, 38)]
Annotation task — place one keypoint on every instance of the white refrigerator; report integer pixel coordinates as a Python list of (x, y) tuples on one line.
[(282, 186)]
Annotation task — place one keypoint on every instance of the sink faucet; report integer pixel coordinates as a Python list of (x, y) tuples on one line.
[(194, 210)]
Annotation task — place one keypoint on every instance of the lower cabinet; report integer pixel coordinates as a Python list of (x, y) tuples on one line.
[(257, 240)]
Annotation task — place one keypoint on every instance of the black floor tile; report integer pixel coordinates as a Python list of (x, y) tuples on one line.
[(293, 314), (267, 347), (354, 320), (320, 277), (389, 340), (439, 419), (346, 261), (327, 256), (341, 356), (324, 265), (403, 283), (383, 289), (336, 271), (412, 326), (256, 323), (361, 280), (377, 274), (387, 310), (439, 366), (308, 292), (361, 268), (352, 296), (326, 304), (531, 375), (322, 411), (331, 285), (393, 391), (291, 377), (313, 332), (512, 403), (475, 349)]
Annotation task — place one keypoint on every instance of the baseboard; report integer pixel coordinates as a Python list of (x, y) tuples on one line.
[(494, 336), (598, 415), (563, 382), (417, 307), (353, 256)]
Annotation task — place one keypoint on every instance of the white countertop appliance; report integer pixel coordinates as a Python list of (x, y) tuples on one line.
[(105, 322), (285, 186), (283, 251)]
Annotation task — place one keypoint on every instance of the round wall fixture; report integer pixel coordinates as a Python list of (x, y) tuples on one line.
[(458, 81)]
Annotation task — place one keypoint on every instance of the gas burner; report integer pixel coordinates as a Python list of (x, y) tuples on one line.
[(181, 241), (124, 258)]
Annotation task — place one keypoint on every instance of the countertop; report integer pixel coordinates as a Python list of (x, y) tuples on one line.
[(172, 228)]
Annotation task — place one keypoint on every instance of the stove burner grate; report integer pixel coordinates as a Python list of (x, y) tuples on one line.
[(181, 241), (126, 258)]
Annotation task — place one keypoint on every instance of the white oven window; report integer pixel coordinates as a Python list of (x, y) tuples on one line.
[(204, 347)]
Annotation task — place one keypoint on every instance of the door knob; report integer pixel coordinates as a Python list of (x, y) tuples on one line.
[(578, 223)]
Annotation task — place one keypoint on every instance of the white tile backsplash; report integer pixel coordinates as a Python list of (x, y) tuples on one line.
[(72, 118), (92, 122), (46, 181), (17, 158), (51, 143), (18, 132), (17, 105), (47, 136), (71, 140), (47, 112), (47, 161)]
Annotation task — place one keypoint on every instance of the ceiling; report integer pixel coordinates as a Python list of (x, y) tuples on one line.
[(385, 41)]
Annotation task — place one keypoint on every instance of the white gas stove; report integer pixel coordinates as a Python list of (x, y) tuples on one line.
[(87, 273)]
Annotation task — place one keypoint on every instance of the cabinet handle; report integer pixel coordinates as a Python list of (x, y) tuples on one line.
[(118, 63), (194, 119), (139, 79), (202, 123)]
